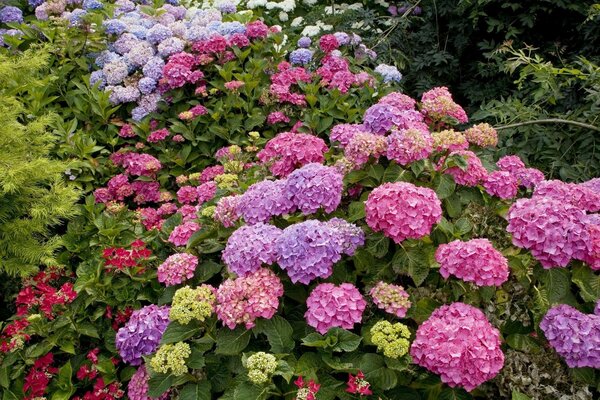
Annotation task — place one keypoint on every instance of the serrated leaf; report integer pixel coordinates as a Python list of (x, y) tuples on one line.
[(524, 343), (158, 384), (393, 173), (279, 333), (378, 245), (587, 282), (516, 395), (412, 261), (232, 342), (356, 211), (195, 391), (308, 363), (247, 391), (454, 394), (557, 282), (176, 332), (207, 270), (376, 373), (444, 186)]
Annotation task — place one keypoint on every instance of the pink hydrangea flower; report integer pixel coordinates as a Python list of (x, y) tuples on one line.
[(512, 164), (127, 131), (449, 140), (474, 261), (177, 268), (226, 211), (402, 210), (182, 233), (578, 195), (343, 133), (244, 299), (475, 172), (437, 104), (399, 100), (482, 135), (276, 117), (391, 298), (501, 184), (158, 135), (146, 191), (364, 146), (209, 173), (137, 388), (257, 30), (409, 145), (458, 343), (328, 43), (334, 306), (150, 218), (288, 151), (234, 85), (141, 164), (206, 192), (188, 212), (529, 177), (187, 195)]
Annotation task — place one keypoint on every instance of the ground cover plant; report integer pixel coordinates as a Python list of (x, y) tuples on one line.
[(261, 217)]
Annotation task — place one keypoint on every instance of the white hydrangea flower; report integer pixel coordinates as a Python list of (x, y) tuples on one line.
[(355, 6), (297, 22), (252, 4), (310, 2), (311, 30), (283, 16)]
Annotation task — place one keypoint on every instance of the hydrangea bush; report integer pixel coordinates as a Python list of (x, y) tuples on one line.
[(272, 219)]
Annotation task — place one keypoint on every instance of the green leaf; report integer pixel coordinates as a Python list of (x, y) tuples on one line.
[(356, 211), (308, 363), (444, 186), (346, 340), (247, 391), (195, 391), (393, 173), (454, 394), (64, 377), (232, 342), (557, 282), (588, 283), (176, 332), (423, 309), (279, 333), (158, 384), (207, 270), (524, 343), (376, 373), (4, 381), (284, 370), (87, 329), (378, 245), (412, 261), (196, 359), (516, 395)]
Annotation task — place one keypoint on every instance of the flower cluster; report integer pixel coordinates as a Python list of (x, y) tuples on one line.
[(119, 258), (474, 261), (137, 389), (473, 174), (389, 73), (391, 298), (288, 151), (358, 385), (309, 249), (177, 268), (242, 300), (526, 177), (334, 306), (482, 135), (437, 104), (251, 246), (226, 211), (38, 377), (458, 343), (182, 233), (260, 367), (409, 145), (170, 358), (343, 133), (264, 200), (502, 184), (574, 335), (580, 196), (43, 294), (142, 333), (553, 230), (306, 391), (402, 210), (192, 304), (364, 146), (391, 339), (449, 140), (314, 186)]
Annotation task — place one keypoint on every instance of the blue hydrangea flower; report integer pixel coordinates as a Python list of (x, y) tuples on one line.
[(114, 26), (153, 68), (158, 33), (304, 42), (229, 28), (98, 76), (147, 85), (10, 14), (92, 5), (389, 73), (301, 56)]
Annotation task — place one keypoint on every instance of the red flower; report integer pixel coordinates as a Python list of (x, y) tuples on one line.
[(306, 392), (358, 385)]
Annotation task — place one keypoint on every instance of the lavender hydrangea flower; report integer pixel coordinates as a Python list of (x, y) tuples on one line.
[(158, 33), (170, 46), (251, 246), (142, 333), (304, 42), (264, 200), (301, 56), (139, 54), (314, 186), (349, 236), (153, 68), (308, 250), (389, 73), (98, 76), (114, 26), (92, 5), (147, 85), (10, 14)]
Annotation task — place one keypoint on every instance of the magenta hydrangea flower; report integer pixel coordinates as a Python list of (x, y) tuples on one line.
[(474, 261), (402, 210), (332, 306), (264, 200), (381, 117), (343, 133), (182, 233), (177, 268), (592, 255), (187, 195), (512, 164), (206, 191), (475, 172), (437, 104), (308, 250), (210, 173), (391, 298), (364, 146), (592, 184), (314, 186), (409, 145), (502, 184), (249, 247), (529, 177), (482, 135), (574, 335), (399, 100), (458, 343), (137, 388), (553, 230), (578, 195), (141, 164), (349, 237), (226, 210), (449, 140), (288, 151), (141, 335), (244, 299)]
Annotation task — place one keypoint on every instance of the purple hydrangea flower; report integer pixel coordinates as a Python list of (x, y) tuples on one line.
[(153, 68), (314, 186), (141, 335), (301, 56), (304, 42), (389, 73), (10, 14), (114, 26), (264, 200), (92, 5), (251, 246), (147, 85), (349, 236), (158, 33)]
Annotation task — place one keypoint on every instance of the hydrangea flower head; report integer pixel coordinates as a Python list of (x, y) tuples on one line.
[(260, 367), (349, 237), (381, 117), (264, 200), (512, 164), (137, 389), (578, 195), (574, 335), (449, 140), (437, 104), (473, 175), (171, 358), (314, 186), (364, 146), (288, 151), (192, 304), (399, 100), (334, 306), (251, 246), (409, 145), (502, 184), (389, 73), (458, 343), (391, 339), (182, 233), (474, 261), (391, 298), (226, 211), (482, 135), (308, 250), (242, 300), (343, 133), (402, 210), (141, 335), (177, 268)]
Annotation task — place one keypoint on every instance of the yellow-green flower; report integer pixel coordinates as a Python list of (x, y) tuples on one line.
[(260, 367), (226, 181), (391, 339), (189, 304), (171, 357)]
